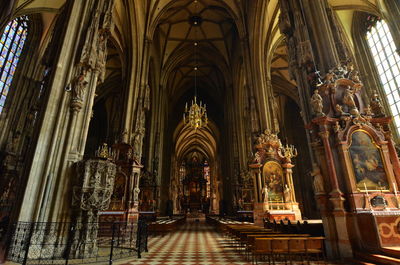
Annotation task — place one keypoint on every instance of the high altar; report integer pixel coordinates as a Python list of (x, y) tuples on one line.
[(273, 184)]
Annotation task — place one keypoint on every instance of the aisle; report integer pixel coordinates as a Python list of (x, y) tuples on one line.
[(193, 243)]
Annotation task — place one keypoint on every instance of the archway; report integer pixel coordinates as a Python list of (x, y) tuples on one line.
[(195, 183)]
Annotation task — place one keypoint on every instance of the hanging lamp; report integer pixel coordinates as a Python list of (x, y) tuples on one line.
[(196, 115)]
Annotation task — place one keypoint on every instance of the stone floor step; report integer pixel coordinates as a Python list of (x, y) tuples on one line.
[(377, 258)]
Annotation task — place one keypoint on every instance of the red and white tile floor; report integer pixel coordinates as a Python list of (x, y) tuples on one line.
[(193, 243)]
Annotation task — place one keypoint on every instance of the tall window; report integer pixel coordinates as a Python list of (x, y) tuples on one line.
[(182, 172), (387, 62), (11, 44), (207, 177)]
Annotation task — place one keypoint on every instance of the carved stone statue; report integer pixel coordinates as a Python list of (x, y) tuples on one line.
[(316, 103), (13, 144), (136, 192), (305, 52), (139, 135), (257, 158), (254, 115), (10, 161), (354, 76), (80, 84), (318, 182), (286, 194), (376, 105), (265, 193), (101, 55), (275, 109), (329, 78), (339, 109), (348, 100), (340, 71)]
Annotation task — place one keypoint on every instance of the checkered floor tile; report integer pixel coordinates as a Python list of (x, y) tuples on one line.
[(193, 243)]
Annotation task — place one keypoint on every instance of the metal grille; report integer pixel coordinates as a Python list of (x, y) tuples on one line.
[(69, 243)]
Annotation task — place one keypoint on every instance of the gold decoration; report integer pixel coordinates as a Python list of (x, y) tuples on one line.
[(105, 152), (288, 152), (196, 115)]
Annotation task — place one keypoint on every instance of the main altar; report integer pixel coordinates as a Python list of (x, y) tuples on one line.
[(271, 168)]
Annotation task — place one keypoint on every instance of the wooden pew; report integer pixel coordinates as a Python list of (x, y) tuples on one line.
[(288, 248)]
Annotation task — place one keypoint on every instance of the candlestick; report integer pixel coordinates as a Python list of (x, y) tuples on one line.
[(395, 195), (365, 187)]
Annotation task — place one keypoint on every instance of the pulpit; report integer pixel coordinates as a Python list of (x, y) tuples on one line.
[(92, 191)]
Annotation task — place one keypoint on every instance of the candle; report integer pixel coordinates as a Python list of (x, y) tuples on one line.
[(394, 187), (365, 187)]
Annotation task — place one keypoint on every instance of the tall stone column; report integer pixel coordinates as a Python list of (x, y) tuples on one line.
[(315, 43), (76, 72)]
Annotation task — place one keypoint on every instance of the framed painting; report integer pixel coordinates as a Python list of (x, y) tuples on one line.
[(273, 181), (247, 195), (367, 162)]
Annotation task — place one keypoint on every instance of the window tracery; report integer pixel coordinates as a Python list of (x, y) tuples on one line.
[(387, 61), (11, 44)]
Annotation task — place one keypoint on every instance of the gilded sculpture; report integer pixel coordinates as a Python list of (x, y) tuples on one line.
[(376, 105)]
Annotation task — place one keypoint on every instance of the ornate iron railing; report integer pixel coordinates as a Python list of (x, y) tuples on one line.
[(71, 243)]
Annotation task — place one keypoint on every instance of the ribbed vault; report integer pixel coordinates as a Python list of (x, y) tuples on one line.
[(188, 141), (209, 23)]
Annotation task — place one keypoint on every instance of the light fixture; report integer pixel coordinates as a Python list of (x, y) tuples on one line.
[(196, 115)]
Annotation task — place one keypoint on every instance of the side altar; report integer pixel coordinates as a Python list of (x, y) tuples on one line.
[(272, 170), (356, 165)]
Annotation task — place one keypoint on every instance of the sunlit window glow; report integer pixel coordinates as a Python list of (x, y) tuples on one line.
[(11, 44), (387, 62)]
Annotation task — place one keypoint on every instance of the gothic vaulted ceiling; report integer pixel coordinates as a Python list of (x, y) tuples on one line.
[(210, 24)]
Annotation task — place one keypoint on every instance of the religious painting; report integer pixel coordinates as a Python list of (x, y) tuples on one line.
[(273, 182), (119, 187), (367, 162), (118, 196), (247, 195)]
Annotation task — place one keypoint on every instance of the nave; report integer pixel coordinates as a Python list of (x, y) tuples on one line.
[(194, 243)]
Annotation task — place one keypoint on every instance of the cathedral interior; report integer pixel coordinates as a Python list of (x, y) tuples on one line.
[(123, 120)]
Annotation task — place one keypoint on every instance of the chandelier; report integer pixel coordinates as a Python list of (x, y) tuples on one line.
[(196, 115)]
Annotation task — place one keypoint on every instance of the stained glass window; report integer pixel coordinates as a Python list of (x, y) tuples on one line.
[(387, 61), (11, 44), (207, 177), (182, 172)]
